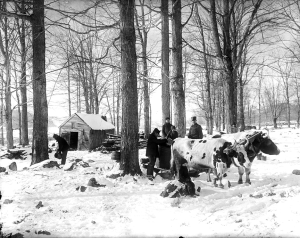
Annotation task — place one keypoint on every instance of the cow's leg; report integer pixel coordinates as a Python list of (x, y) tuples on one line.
[(214, 170), (175, 165), (208, 179), (248, 171), (220, 181), (241, 172)]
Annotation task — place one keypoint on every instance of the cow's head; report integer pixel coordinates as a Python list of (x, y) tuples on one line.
[(263, 143)]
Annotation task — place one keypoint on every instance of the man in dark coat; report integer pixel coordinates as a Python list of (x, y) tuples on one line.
[(173, 134), (63, 147), (166, 128), (195, 131), (152, 150)]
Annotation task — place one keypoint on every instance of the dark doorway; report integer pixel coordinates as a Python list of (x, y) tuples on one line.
[(73, 140)]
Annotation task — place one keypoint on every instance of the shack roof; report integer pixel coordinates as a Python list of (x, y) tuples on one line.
[(94, 121)]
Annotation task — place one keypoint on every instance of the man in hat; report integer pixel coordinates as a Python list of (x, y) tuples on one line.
[(63, 148), (166, 128), (195, 131), (152, 150)]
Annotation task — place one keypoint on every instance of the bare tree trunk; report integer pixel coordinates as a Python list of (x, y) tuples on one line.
[(18, 105), (165, 70), (78, 95), (259, 99), (209, 120), (23, 79), (241, 104), (177, 77), (143, 35), (298, 101), (2, 108), (129, 135), (69, 81), (118, 105), (40, 107), (8, 111)]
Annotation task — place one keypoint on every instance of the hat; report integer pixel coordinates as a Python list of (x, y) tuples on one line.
[(55, 135), (167, 118), (156, 131), (194, 119)]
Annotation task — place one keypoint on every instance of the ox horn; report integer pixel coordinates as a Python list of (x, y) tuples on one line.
[(247, 142), (234, 145), (266, 135)]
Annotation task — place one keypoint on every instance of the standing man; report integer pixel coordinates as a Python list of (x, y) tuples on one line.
[(166, 128), (63, 147), (195, 131), (152, 150)]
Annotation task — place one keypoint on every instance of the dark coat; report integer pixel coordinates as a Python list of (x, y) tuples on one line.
[(173, 135), (62, 144), (152, 145), (195, 132), (166, 128)]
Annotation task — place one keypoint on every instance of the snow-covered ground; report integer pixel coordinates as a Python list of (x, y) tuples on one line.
[(133, 207)]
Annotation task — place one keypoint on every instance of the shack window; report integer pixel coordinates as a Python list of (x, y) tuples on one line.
[(73, 125)]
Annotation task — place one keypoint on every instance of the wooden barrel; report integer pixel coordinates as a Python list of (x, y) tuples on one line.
[(116, 155), (164, 156)]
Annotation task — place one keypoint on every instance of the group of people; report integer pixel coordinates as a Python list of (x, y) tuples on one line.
[(168, 132)]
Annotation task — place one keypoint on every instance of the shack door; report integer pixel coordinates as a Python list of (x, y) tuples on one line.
[(73, 140)]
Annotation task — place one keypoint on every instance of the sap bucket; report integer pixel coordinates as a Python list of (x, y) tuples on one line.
[(116, 155)]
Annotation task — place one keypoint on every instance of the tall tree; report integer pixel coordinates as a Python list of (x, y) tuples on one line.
[(5, 50), (230, 42), (285, 70), (129, 134), (273, 97), (143, 31), (165, 63), (23, 80), (177, 76), (40, 106)]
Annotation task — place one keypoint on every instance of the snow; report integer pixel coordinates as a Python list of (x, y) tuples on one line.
[(132, 206)]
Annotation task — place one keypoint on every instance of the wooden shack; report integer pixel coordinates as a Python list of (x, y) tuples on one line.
[(85, 131)]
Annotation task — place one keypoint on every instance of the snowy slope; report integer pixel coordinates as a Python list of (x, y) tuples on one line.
[(131, 206)]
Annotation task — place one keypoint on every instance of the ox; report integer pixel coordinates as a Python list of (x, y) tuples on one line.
[(252, 143), (201, 154)]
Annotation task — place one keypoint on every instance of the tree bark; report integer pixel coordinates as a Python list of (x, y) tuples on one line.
[(7, 90), (259, 101), (209, 113), (143, 34), (40, 107), (2, 108), (23, 81), (165, 70), (129, 134), (241, 104), (177, 77)]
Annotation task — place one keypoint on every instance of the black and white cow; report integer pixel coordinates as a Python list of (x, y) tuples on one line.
[(218, 154), (253, 143), (203, 154)]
